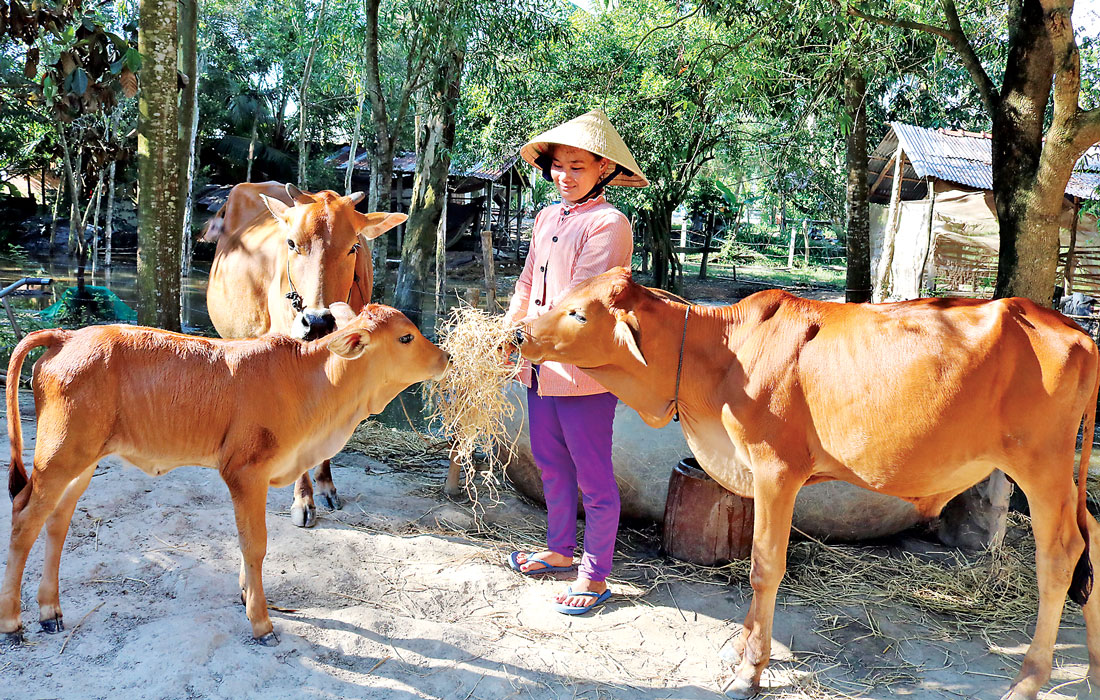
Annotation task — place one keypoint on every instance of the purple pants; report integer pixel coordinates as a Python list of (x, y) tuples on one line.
[(571, 442)]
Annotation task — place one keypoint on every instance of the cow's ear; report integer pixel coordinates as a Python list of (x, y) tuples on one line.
[(349, 343), (626, 333), (342, 313), (277, 207), (379, 222)]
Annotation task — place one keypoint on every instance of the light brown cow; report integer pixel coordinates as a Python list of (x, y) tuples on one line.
[(283, 258), (145, 395), (919, 400)]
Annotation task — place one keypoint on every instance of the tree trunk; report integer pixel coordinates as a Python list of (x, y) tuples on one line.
[(303, 93), (158, 169), (435, 137), (252, 145), (858, 236), (354, 147), (188, 120), (1026, 239), (56, 205), (666, 266), (108, 231), (109, 226)]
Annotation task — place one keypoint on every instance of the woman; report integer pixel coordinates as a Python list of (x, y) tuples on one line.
[(570, 414)]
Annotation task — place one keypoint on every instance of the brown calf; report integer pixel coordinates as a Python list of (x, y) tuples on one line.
[(145, 395), (919, 400)]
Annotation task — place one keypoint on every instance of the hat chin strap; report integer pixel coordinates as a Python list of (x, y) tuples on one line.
[(597, 189)]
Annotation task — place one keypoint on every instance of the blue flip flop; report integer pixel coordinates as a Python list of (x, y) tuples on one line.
[(547, 569), (599, 598)]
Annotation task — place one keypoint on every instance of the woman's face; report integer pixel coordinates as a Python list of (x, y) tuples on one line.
[(576, 171)]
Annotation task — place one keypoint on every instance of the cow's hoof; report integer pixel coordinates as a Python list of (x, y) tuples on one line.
[(303, 517), (268, 640), (52, 626), (331, 501), (12, 639), (742, 688)]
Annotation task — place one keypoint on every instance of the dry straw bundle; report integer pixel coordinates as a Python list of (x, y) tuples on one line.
[(468, 403)]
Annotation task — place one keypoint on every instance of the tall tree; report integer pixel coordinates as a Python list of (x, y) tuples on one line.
[(857, 285), (158, 168)]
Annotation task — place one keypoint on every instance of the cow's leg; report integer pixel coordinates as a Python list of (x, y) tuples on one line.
[(28, 515), (773, 498), (1058, 546), (303, 513), (1092, 608), (249, 492), (57, 527), (326, 490)]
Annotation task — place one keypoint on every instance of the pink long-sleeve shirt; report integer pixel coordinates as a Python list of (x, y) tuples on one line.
[(569, 244)]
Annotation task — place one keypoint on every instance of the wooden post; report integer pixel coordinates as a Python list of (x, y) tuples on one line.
[(1071, 254), (519, 214), (473, 297), (931, 215), (454, 471), (490, 271), (886, 256), (806, 242), (790, 252), (706, 246), (507, 205), (683, 240)]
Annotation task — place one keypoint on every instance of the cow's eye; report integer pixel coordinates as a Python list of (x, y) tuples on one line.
[(354, 249), (577, 315), (290, 244), (405, 339)]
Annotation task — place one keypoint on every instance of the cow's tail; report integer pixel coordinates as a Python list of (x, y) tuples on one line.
[(1081, 585), (213, 229), (17, 474)]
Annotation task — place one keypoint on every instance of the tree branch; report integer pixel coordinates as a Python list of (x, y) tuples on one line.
[(955, 36), (1067, 62), (1088, 133)]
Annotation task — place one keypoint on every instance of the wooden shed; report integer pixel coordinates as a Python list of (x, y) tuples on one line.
[(934, 224), (488, 196)]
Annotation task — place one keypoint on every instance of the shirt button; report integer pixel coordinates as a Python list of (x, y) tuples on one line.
[(538, 302), (554, 239), (542, 268)]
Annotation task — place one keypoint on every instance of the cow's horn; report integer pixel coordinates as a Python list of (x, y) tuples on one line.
[(356, 197), (297, 195)]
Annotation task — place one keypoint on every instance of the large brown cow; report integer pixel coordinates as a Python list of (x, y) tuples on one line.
[(283, 258), (919, 400), (281, 405)]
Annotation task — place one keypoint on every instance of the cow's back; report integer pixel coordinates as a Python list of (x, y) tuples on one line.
[(246, 264), (885, 392)]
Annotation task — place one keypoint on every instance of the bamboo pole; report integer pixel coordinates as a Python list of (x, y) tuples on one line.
[(883, 279)]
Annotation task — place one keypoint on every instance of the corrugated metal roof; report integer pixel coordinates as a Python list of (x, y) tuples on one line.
[(966, 158)]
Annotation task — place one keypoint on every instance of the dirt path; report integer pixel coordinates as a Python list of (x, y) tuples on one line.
[(399, 596)]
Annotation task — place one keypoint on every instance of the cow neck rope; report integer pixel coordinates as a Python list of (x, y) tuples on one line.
[(680, 366), (293, 295), (296, 298)]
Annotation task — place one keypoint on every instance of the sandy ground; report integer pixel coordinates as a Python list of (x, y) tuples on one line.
[(399, 596)]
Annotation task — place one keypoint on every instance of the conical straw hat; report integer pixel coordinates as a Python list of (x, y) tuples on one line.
[(594, 133)]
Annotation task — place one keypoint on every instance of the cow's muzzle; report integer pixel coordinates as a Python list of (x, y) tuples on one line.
[(312, 324)]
